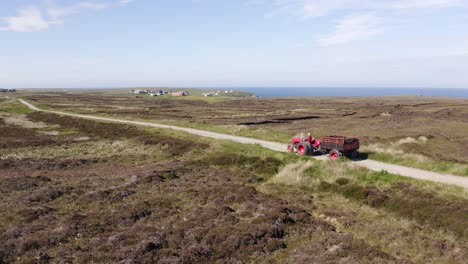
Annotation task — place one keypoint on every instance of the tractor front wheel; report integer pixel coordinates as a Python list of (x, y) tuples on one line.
[(334, 154), (290, 148), (303, 149)]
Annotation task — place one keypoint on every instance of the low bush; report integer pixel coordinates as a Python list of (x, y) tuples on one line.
[(342, 181)]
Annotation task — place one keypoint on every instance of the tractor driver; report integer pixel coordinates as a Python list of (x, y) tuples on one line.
[(314, 142)]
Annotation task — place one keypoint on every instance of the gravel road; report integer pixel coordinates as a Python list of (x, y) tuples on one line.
[(369, 164)]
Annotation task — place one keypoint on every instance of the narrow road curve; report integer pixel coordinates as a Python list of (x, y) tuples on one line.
[(369, 164)]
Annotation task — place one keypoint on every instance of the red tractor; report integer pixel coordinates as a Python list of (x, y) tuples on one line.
[(335, 146)]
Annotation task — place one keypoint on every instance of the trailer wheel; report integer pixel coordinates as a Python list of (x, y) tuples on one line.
[(290, 148), (334, 154), (303, 149)]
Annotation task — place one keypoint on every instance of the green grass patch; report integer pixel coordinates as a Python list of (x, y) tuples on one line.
[(326, 175), (14, 108), (384, 179), (438, 205), (425, 164)]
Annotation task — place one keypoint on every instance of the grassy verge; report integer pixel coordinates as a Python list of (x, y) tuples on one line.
[(425, 164), (400, 237), (14, 107), (326, 175), (406, 218)]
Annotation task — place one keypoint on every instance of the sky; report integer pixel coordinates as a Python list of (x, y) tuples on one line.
[(230, 43)]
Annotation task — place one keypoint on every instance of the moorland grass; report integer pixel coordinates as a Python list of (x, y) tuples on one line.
[(281, 133), (397, 214), (281, 136), (85, 150), (397, 236), (14, 107), (346, 196), (425, 164)]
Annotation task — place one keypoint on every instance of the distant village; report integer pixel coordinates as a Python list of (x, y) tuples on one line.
[(4, 90), (218, 93), (158, 92), (180, 93)]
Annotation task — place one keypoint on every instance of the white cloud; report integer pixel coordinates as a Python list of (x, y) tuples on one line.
[(125, 2), (356, 27), (352, 28), (425, 4), (33, 18), (28, 19), (57, 13), (314, 8), (317, 8)]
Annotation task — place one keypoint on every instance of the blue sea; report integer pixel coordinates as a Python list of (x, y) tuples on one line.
[(288, 92)]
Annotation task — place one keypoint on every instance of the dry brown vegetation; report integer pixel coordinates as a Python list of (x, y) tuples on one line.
[(175, 210), (380, 120), (153, 196)]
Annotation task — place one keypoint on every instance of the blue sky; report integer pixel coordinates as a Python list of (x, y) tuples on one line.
[(196, 43)]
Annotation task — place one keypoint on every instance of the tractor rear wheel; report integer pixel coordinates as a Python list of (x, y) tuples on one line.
[(303, 149), (334, 154), (353, 154)]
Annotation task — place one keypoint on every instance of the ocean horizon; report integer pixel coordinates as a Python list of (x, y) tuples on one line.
[(358, 92)]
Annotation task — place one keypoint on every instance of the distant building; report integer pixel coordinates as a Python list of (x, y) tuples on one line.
[(137, 92), (210, 94), (183, 93), (156, 93), (4, 90)]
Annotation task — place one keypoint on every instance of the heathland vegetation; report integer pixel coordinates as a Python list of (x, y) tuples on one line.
[(426, 133), (75, 190)]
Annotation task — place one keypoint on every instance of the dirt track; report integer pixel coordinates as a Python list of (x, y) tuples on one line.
[(369, 164)]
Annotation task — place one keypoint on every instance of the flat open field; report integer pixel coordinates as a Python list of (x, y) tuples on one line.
[(428, 133), (75, 190)]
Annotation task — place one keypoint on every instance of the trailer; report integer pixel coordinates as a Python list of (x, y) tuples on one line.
[(334, 146)]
